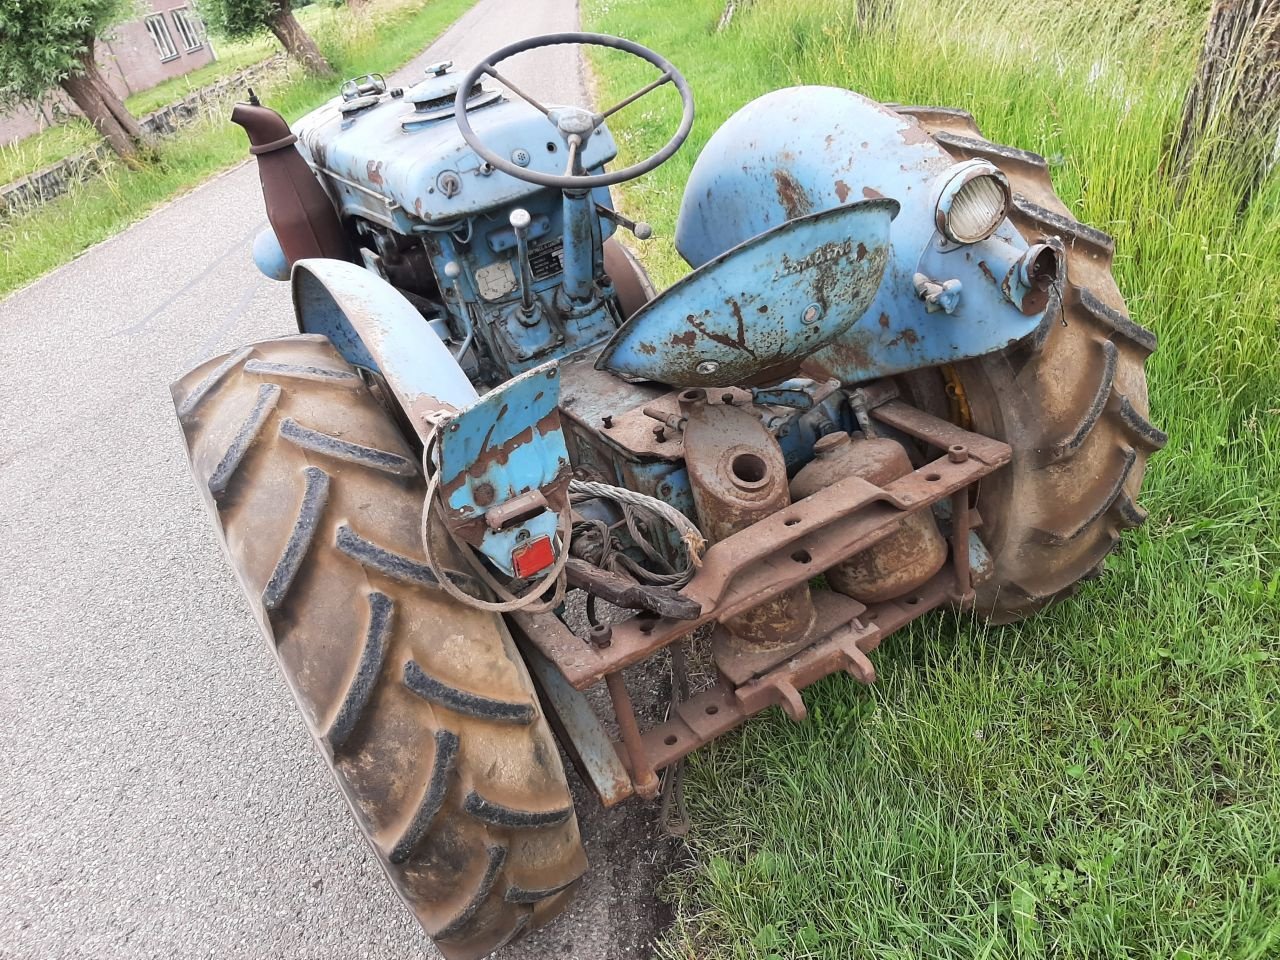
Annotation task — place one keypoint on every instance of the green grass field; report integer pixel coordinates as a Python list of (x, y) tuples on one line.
[(1104, 780), (379, 39)]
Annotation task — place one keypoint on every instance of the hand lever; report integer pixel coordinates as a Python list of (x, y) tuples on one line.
[(520, 221), (641, 229)]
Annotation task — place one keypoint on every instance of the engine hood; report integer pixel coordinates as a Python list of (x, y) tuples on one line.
[(400, 160)]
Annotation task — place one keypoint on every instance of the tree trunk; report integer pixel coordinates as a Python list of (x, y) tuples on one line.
[(298, 43), (1232, 112), (109, 97), (88, 98), (874, 13)]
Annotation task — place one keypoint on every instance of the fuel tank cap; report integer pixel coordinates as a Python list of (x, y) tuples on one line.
[(433, 90), (433, 97)]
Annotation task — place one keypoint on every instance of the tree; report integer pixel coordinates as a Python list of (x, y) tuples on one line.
[(52, 43), (1232, 112), (236, 19)]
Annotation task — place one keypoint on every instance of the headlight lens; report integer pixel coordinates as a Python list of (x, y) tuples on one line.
[(974, 201)]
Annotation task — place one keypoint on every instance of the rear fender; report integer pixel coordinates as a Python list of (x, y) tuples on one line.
[(805, 149), (375, 327)]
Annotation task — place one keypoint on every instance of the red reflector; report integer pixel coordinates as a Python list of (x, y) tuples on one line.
[(533, 556)]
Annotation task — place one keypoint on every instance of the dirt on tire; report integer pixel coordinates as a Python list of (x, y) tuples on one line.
[(1071, 400), (421, 707)]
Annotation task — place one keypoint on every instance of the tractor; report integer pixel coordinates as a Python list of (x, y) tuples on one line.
[(898, 377)]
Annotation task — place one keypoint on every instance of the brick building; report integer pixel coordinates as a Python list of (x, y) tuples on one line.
[(168, 41)]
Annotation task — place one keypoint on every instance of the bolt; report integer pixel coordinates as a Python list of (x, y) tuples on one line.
[(660, 433), (608, 422), (707, 367), (601, 635), (957, 453)]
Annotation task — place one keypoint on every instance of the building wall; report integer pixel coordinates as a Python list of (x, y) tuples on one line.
[(130, 61)]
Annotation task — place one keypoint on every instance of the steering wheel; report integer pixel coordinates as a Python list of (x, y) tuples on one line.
[(575, 124)]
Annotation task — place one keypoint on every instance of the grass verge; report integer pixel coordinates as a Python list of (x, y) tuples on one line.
[(44, 148), (378, 39), (1104, 780)]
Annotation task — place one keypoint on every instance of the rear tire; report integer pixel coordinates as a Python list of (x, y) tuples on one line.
[(631, 281), (1071, 400), (422, 707)]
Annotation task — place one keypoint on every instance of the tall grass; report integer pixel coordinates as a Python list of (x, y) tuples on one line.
[(1104, 780), (378, 39)]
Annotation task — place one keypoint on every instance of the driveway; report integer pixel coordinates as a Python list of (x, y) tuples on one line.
[(161, 798)]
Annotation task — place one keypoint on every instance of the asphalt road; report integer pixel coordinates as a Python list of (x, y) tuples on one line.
[(160, 798)]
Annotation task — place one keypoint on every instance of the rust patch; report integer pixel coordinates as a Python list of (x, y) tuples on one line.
[(740, 343), (884, 320), (842, 190), (648, 349), (736, 309), (686, 339), (872, 194), (909, 335), (861, 253), (982, 265), (914, 133), (852, 353), (792, 196), (374, 170)]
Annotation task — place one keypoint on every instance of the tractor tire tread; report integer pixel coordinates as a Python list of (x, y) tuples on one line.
[(1089, 419), (340, 449), (268, 397), (368, 669), (1140, 428), (500, 816), (980, 149), (1118, 322), (454, 778), (1080, 428), (1051, 222), (464, 701)]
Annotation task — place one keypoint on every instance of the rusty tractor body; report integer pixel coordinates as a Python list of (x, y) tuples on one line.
[(899, 377)]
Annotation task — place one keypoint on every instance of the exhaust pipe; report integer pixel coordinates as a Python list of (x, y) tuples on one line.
[(301, 214)]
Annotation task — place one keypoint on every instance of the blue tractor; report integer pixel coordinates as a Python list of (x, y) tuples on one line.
[(495, 467)]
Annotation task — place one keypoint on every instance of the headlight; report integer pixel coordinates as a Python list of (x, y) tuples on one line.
[(974, 201)]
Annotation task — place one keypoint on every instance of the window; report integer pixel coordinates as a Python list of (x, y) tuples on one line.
[(159, 31), (188, 28)]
